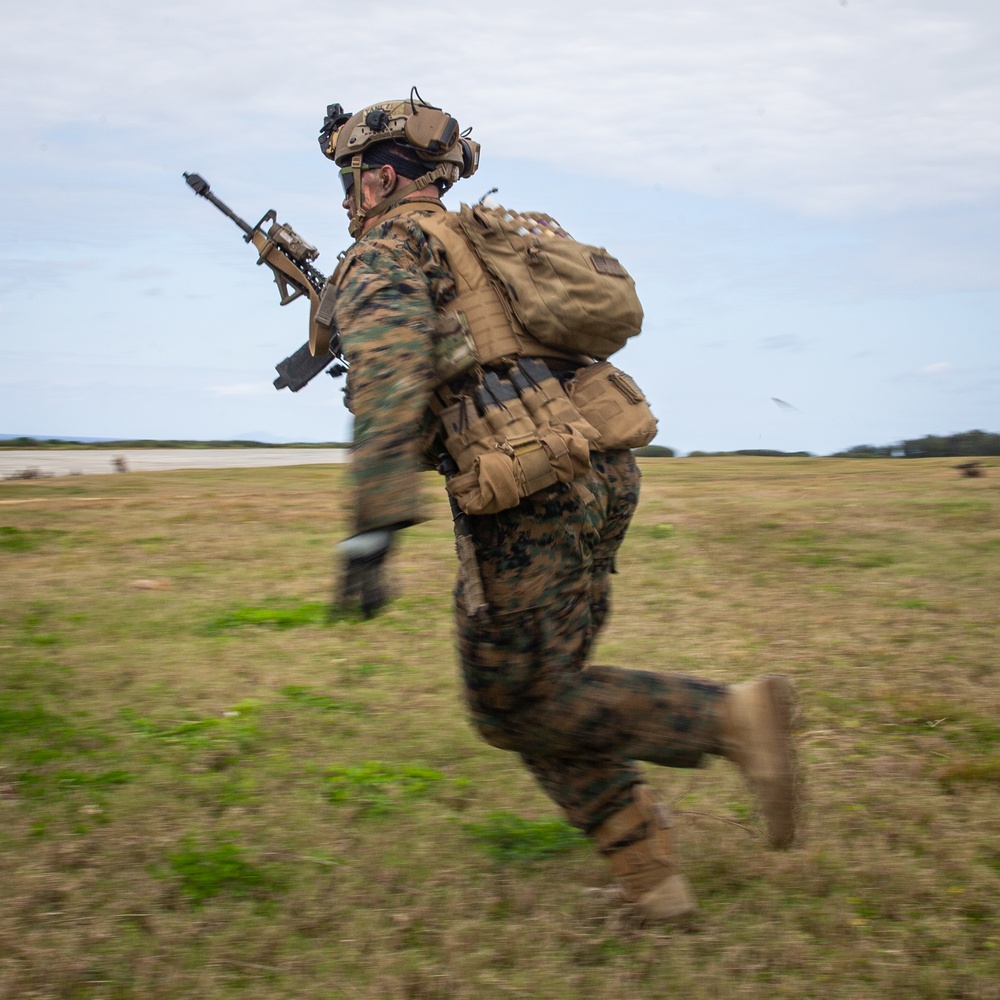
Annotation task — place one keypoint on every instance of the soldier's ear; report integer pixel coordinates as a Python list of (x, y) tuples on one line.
[(387, 178)]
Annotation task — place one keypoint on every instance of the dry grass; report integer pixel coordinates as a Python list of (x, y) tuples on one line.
[(205, 791)]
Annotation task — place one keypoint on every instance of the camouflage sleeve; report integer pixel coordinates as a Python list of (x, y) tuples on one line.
[(385, 314)]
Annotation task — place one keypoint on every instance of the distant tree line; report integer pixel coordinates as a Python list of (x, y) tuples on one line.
[(753, 452), (966, 444)]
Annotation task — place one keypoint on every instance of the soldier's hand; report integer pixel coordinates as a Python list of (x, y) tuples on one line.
[(363, 556)]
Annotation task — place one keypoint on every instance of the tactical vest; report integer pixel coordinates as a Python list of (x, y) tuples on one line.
[(519, 429)]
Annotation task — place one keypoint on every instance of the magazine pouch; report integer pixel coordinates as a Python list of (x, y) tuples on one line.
[(508, 441), (614, 405)]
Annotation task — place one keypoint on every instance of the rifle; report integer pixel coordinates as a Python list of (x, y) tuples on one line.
[(290, 259)]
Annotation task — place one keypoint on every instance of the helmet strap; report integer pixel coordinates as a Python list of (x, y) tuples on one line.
[(443, 171), (358, 214)]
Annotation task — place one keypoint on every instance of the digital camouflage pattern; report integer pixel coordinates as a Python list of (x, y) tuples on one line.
[(545, 564), (392, 283), (546, 568)]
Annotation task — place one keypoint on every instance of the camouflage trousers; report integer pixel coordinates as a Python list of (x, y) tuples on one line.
[(579, 728)]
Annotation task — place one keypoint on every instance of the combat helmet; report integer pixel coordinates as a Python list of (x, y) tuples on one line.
[(408, 134)]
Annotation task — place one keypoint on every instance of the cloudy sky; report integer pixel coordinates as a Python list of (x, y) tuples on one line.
[(806, 191)]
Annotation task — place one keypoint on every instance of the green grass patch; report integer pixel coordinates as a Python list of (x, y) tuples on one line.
[(658, 531), (34, 627), (18, 720), (272, 615), (31, 676), (221, 866), (99, 780), (30, 732), (238, 728), (377, 788), (23, 540), (306, 697), (36, 744), (509, 838), (871, 560), (967, 505), (59, 785)]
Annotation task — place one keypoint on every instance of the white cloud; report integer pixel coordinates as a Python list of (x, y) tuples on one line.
[(826, 108), (937, 368)]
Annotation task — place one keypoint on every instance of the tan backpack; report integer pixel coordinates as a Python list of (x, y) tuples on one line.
[(527, 287)]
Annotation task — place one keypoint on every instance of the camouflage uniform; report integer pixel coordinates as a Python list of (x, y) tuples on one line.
[(545, 564)]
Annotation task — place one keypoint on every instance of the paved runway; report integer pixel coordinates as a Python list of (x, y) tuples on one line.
[(86, 461)]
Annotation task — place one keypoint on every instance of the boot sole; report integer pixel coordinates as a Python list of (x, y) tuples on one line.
[(780, 798)]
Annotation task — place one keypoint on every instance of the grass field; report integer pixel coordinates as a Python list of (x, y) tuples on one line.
[(208, 791)]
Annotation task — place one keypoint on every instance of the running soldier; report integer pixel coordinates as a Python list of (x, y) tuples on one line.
[(543, 558)]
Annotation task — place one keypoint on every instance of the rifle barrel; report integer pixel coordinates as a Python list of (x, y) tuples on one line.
[(200, 186)]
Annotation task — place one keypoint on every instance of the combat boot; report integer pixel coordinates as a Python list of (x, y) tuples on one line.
[(756, 729), (636, 842)]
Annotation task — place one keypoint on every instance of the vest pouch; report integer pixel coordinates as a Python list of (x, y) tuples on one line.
[(499, 480), (466, 434), (491, 487), (616, 407), (568, 454), (546, 400), (464, 487), (510, 421), (472, 443), (499, 455), (518, 438), (564, 434)]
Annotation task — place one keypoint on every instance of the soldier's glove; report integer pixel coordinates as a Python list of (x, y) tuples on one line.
[(363, 556)]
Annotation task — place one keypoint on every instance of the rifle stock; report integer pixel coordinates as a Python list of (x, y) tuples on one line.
[(301, 367)]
